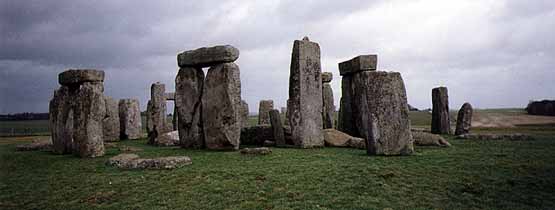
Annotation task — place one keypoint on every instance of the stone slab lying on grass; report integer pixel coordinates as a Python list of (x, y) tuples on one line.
[(429, 139), (511, 137), (256, 151), (132, 161), (358, 143), (337, 138), (44, 145), (168, 139)]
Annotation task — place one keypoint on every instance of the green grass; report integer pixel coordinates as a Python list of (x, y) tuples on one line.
[(469, 175)]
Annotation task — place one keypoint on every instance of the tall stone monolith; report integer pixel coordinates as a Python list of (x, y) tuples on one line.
[(130, 119), (277, 127), (244, 114), (264, 108), (61, 120), (328, 108), (464, 119), (440, 111), (188, 101), (158, 112), (111, 120), (305, 95)]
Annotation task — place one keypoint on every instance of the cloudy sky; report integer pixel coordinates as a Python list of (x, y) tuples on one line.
[(491, 53)]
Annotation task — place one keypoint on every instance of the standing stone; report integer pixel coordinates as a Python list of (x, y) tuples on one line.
[(346, 122), (130, 119), (188, 101), (264, 109), (464, 119), (111, 120), (148, 117), (381, 112), (328, 108), (158, 112), (286, 113), (358, 64), (440, 111), (61, 121), (277, 127), (305, 95), (244, 114), (221, 104), (90, 109), (174, 118)]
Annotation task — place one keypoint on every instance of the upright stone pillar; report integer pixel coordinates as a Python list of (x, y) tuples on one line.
[(286, 112), (111, 120), (244, 114), (130, 119), (440, 111), (464, 119), (221, 104), (264, 109), (381, 112), (305, 95), (61, 121), (277, 127), (158, 112), (328, 108), (148, 116), (188, 101)]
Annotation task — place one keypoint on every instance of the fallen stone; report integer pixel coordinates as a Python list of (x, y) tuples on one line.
[(429, 139), (130, 119), (510, 137), (336, 138), (256, 135), (305, 95), (464, 119), (328, 108), (221, 103), (357, 64), (168, 139), (188, 100), (327, 77), (132, 161), (122, 160), (358, 143), (79, 76), (256, 151), (208, 56), (440, 111), (264, 109), (381, 111), (111, 120), (90, 109), (277, 127)]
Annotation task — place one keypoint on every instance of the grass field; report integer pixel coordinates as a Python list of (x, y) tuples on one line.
[(468, 175)]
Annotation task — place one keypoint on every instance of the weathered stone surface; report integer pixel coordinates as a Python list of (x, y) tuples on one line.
[(346, 122), (148, 117), (277, 127), (36, 145), (305, 95), (269, 143), (168, 139), (440, 111), (510, 137), (90, 109), (158, 111), (170, 96), (358, 143), (221, 104), (327, 77), (464, 119), (111, 120), (61, 120), (263, 111), (286, 113), (336, 138), (256, 135), (132, 161), (357, 64), (381, 112), (188, 100), (79, 76), (208, 56), (328, 108), (429, 139), (175, 116), (244, 114), (130, 119), (544, 107), (256, 151)]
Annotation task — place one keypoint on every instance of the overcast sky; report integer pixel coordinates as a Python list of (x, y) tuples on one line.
[(491, 53)]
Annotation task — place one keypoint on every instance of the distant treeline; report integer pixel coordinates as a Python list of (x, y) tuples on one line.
[(24, 116)]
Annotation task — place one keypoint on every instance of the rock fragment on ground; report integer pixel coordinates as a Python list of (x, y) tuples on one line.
[(132, 161), (256, 151)]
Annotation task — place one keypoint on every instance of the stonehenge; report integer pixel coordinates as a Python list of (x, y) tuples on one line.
[(157, 113), (77, 111), (244, 114), (374, 107), (305, 95), (328, 108), (111, 122), (209, 107), (129, 119), (264, 109), (440, 111), (277, 127), (464, 119)]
